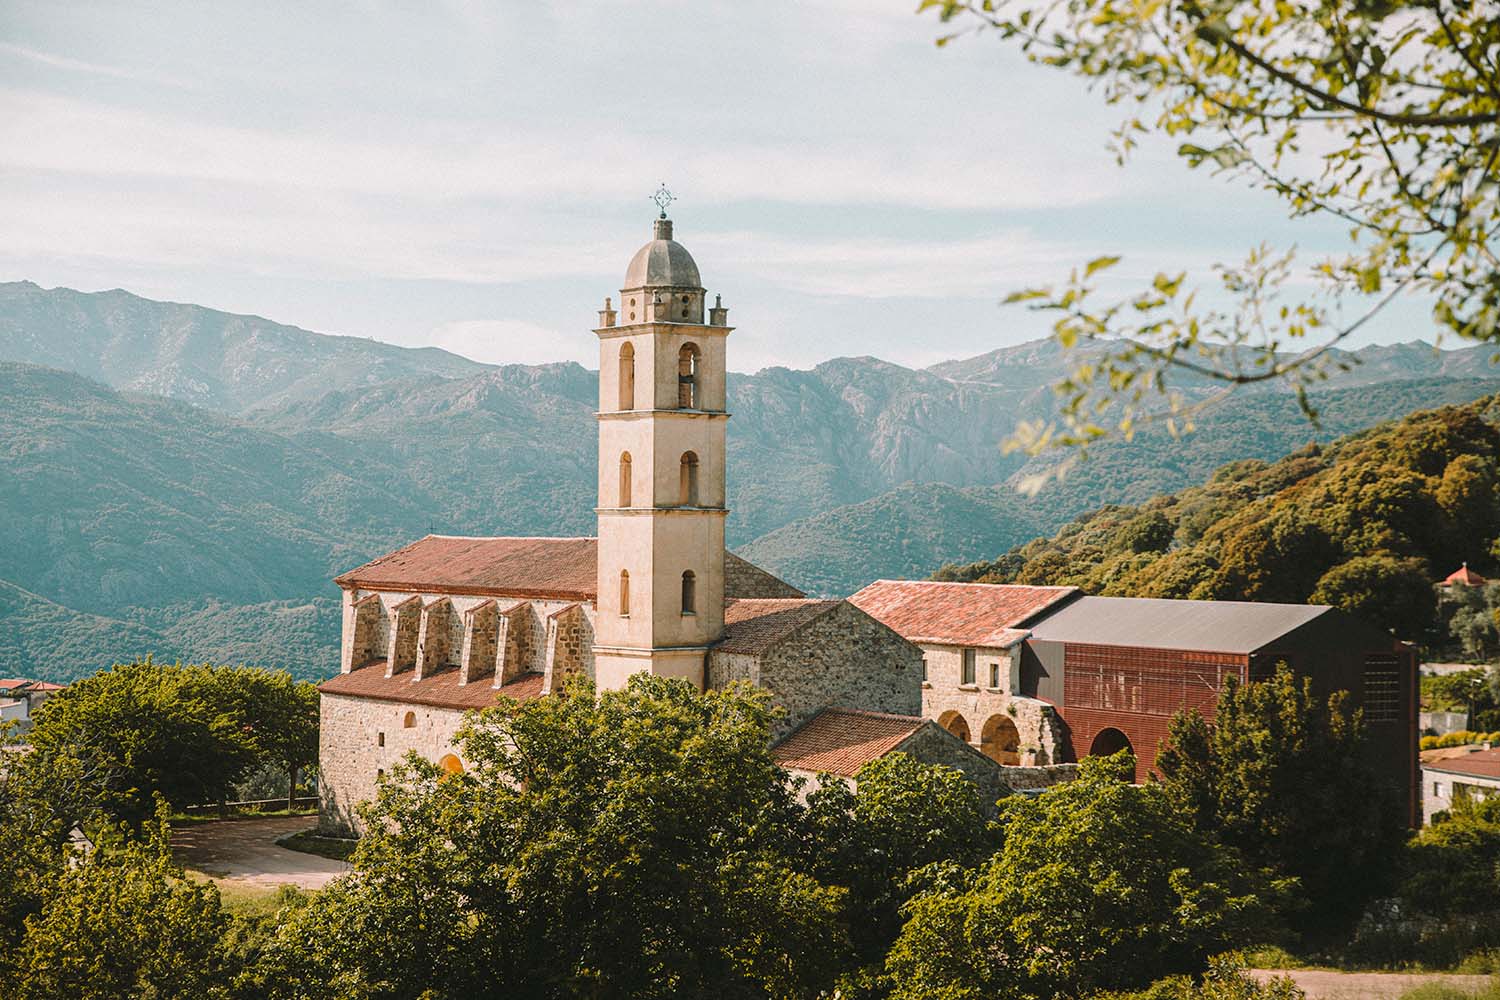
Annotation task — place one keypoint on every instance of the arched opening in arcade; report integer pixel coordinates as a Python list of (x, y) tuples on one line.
[(1109, 741), (955, 724), (1000, 741)]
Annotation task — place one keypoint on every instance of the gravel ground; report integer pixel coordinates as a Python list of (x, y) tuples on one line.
[(244, 852)]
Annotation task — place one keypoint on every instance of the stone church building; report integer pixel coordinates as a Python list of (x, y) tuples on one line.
[(447, 624)]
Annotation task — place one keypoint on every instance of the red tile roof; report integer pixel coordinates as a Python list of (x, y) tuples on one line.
[(958, 614), (754, 625), (1478, 764), (842, 740), (496, 567), (1464, 577), (557, 568), (440, 689)]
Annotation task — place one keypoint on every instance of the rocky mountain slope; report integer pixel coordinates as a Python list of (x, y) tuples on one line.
[(213, 528), (218, 360)]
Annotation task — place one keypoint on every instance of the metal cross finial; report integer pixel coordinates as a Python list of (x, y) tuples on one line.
[(663, 198)]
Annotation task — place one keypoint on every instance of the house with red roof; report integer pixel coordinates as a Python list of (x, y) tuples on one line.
[(1458, 773), (971, 635)]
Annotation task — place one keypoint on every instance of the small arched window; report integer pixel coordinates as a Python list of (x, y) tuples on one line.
[(625, 479), (688, 488), (627, 376), (687, 377), (410, 721), (624, 594), (689, 593)]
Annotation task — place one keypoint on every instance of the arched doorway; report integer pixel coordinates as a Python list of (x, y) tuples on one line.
[(451, 765), (1109, 741), (955, 724), (1000, 741)]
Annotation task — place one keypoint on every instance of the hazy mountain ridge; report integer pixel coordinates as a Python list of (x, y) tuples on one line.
[(217, 532), (220, 360)]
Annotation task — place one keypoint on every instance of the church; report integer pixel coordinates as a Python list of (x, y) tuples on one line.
[(448, 624), (1009, 684)]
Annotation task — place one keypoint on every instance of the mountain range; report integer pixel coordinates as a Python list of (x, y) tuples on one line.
[(186, 481)]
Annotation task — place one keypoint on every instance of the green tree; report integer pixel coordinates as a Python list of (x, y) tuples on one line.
[(1382, 588), (122, 921), (904, 816), (184, 732), (1100, 885), (1282, 776), (641, 844), (1403, 99)]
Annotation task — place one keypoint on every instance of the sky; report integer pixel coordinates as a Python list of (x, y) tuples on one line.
[(476, 176)]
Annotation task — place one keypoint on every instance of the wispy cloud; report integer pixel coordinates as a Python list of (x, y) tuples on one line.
[(92, 68)]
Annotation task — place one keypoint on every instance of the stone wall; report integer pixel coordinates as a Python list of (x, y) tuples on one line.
[(360, 739), (570, 648), (481, 643), (933, 745), (725, 668), (980, 713), (406, 627), (841, 659), (745, 579)]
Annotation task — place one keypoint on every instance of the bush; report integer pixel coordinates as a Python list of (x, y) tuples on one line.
[(1462, 738)]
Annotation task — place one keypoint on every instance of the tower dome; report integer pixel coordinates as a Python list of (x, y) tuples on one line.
[(662, 263)]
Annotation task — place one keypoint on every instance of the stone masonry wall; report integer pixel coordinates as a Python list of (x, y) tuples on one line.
[(361, 738), (842, 659), (947, 700), (481, 639)]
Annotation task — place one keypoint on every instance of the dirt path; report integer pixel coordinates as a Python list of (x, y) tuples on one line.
[(244, 852), (1319, 984)]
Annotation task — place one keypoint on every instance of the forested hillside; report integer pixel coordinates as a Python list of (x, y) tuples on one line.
[(1366, 523), (211, 530)]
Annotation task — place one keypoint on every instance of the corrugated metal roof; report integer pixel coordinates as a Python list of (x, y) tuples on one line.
[(1154, 623)]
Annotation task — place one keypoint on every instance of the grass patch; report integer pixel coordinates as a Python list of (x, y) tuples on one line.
[(246, 900), (309, 842), (1444, 991), (199, 818)]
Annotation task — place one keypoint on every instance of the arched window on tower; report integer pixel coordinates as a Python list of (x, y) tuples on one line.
[(625, 479), (624, 594), (687, 377), (689, 593), (627, 376), (688, 491)]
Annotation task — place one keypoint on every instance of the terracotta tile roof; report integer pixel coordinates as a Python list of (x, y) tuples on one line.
[(22, 684), (1464, 577), (1476, 764), (958, 614), (1443, 753), (842, 740), (754, 625), (559, 568), (509, 567), (440, 689)]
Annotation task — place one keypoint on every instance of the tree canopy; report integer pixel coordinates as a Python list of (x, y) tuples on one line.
[(1382, 117), (1366, 524)]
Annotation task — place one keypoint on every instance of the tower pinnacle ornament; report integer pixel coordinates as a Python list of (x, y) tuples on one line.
[(663, 198)]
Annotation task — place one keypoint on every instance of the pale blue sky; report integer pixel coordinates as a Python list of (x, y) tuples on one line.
[(476, 175)]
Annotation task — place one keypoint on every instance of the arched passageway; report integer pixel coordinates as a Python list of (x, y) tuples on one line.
[(1000, 741), (1109, 741), (955, 724)]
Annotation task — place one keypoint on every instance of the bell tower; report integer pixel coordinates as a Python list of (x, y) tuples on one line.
[(661, 469)]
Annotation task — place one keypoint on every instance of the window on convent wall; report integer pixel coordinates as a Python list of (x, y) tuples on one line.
[(968, 673), (688, 489), (689, 593), (627, 376), (380, 739), (924, 669), (687, 377), (994, 675), (410, 721)]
